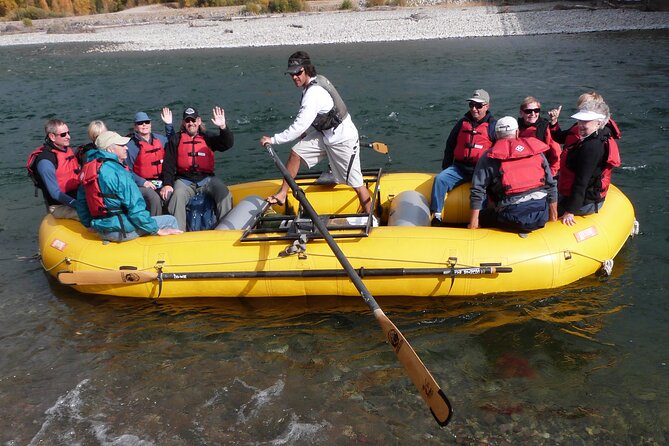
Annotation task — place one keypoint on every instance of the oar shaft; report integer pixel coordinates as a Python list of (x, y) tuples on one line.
[(421, 377), (117, 277), (302, 198)]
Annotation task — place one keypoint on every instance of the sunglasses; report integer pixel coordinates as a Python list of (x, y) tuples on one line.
[(62, 135), (299, 73), (476, 105), (189, 120), (532, 110), (142, 122)]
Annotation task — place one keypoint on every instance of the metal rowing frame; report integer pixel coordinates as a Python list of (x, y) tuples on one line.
[(298, 226)]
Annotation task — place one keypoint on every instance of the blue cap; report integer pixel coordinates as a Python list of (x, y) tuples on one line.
[(141, 116)]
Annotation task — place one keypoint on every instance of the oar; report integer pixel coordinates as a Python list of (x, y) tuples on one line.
[(422, 378), (119, 277), (377, 146)]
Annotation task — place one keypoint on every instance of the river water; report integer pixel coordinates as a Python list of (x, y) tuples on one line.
[(585, 364)]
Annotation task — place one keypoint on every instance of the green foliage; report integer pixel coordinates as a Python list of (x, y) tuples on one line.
[(27, 22), (346, 4)]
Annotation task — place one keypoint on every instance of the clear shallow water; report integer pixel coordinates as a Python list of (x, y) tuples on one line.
[(586, 364)]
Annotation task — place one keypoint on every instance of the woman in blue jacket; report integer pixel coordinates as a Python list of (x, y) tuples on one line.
[(109, 201)]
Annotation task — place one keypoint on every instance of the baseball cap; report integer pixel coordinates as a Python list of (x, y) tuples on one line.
[(296, 64), (586, 115), (506, 124), (190, 112), (481, 96), (141, 116), (107, 139)]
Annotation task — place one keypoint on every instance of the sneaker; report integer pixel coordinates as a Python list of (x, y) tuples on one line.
[(375, 222), (435, 222)]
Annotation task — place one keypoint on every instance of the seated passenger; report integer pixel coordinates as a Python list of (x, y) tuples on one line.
[(471, 136), (94, 129), (530, 123), (146, 151), (571, 135), (54, 169), (516, 176), (587, 163), (188, 168), (109, 201)]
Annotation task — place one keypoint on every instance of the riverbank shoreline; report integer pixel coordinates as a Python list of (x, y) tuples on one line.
[(158, 27)]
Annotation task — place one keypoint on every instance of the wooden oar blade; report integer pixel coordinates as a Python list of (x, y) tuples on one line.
[(427, 386), (105, 277), (380, 147)]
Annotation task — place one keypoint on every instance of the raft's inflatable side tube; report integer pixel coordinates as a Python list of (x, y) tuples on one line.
[(409, 208), (243, 215)]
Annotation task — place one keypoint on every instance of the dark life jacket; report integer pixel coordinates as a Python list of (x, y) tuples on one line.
[(336, 115)]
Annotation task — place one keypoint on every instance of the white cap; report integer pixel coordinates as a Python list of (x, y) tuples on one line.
[(506, 124), (586, 115)]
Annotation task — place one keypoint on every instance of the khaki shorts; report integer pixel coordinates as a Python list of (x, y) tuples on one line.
[(344, 157), (62, 211)]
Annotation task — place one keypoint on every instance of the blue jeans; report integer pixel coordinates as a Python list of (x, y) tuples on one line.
[(444, 182), (163, 222)]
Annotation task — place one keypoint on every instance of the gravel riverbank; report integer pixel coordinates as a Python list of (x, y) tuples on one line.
[(160, 28)]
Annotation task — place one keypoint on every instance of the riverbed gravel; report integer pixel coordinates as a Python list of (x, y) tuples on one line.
[(159, 28)]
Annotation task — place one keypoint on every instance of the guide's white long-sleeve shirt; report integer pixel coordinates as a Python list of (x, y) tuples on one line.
[(316, 100)]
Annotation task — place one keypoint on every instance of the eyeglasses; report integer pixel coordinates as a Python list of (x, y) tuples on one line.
[(532, 110), (62, 135), (299, 73), (189, 120), (142, 122), (476, 105)]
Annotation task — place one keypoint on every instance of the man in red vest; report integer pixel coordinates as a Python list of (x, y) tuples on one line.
[(55, 169), (516, 176), (188, 167)]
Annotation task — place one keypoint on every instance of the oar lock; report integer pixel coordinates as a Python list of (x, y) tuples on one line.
[(298, 247)]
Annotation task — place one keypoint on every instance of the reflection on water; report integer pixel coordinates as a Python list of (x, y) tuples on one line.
[(299, 370)]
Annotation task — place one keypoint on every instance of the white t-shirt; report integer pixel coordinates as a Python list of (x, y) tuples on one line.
[(314, 101)]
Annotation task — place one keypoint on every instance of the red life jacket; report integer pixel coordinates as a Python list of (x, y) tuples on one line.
[(521, 164), (67, 167), (471, 143), (542, 133), (599, 185), (194, 155), (149, 161), (94, 197), (573, 137)]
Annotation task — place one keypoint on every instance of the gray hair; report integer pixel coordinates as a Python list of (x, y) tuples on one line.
[(52, 125), (598, 107)]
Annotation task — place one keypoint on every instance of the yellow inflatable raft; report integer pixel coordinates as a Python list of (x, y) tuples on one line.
[(278, 252)]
